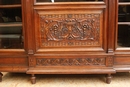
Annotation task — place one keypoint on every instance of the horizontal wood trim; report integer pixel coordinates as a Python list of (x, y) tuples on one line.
[(11, 24), (69, 49), (122, 68), (67, 70), (10, 6), (66, 3), (13, 69), (68, 7), (124, 3), (12, 52), (123, 50), (123, 23)]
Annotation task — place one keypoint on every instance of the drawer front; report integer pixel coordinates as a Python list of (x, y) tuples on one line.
[(39, 61), (122, 60), (13, 64), (69, 61), (13, 61)]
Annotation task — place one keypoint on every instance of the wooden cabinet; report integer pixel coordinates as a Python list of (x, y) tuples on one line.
[(64, 37)]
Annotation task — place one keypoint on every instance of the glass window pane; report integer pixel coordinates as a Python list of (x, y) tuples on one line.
[(124, 13), (123, 36), (68, 0), (10, 15), (9, 2), (11, 38), (124, 0)]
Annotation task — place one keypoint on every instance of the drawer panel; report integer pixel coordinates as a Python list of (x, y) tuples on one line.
[(104, 61), (69, 61), (122, 60), (13, 61)]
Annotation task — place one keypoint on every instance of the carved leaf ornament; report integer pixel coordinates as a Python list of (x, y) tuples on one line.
[(70, 61), (70, 29)]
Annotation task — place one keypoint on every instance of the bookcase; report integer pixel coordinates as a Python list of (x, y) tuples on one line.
[(64, 37)]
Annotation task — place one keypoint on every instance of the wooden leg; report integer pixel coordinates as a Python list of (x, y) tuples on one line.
[(33, 79), (108, 78), (1, 77)]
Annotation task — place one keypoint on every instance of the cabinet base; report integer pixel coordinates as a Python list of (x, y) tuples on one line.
[(57, 70)]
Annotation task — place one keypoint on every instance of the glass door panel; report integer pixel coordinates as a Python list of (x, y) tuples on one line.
[(9, 2), (124, 35), (124, 13), (123, 38), (11, 36), (124, 0)]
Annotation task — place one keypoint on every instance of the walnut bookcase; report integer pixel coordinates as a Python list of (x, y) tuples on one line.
[(64, 37)]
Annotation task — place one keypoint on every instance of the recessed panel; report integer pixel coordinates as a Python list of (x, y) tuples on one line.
[(70, 30), (70, 61)]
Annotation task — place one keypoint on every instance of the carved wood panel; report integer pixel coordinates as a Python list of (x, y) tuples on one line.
[(70, 30), (109, 61), (69, 61), (32, 61)]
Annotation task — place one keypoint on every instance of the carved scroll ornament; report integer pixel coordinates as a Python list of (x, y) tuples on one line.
[(70, 29)]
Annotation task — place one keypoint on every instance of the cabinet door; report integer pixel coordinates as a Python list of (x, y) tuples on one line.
[(123, 25), (12, 55), (11, 30), (70, 25)]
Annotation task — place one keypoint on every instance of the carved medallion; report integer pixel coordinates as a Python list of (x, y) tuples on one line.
[(70, 61), (70, 30)]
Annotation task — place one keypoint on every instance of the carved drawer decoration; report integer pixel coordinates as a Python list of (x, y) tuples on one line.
[(70, 30), (69, 61)]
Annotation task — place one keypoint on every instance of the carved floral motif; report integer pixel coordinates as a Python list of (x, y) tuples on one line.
[(70, 30), (31, 61), (110, 61), (70, 61)]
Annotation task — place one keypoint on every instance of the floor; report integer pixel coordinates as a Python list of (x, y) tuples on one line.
[(23, 80)]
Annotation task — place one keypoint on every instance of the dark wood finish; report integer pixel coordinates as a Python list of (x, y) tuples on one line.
[(33, 79), (108, 78), (66, 38), (1, 77)]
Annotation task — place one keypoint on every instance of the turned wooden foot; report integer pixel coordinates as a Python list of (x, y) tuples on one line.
[(108, 78), (33, 79), (1, 77)]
